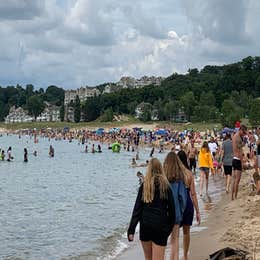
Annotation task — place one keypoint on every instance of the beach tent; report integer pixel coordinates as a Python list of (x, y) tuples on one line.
[(100, 131), (161, 132), (227, 130), (114, 130)]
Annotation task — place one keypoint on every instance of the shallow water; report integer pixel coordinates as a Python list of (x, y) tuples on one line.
[(74, 206)]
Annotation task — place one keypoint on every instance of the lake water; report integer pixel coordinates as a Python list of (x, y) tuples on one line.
[(74, 206)]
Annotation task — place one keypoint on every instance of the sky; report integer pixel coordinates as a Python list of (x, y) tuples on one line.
[(74, 43)]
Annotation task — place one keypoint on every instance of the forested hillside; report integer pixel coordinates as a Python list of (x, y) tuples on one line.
[(224, 93)]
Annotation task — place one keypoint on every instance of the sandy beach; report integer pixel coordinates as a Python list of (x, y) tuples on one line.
[(233, 224)]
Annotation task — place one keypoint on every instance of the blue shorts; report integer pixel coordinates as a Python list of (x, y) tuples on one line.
[(204, 169)]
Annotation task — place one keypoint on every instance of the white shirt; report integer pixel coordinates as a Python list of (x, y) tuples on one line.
[(213, 147)]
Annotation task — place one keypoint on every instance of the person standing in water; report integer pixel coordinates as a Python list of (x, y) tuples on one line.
[(9, 154), (205, 164), (154, 209), (25, 155), (237, 162), (192, 154), (227, 157), (2, 155), (93, 148), (51, 151)]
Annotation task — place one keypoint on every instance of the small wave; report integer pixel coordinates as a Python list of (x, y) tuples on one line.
[(121, 246)]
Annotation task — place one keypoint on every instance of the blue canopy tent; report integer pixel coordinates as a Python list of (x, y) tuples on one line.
[(100, 131), (114, 130), (227, 130), (161, 132)]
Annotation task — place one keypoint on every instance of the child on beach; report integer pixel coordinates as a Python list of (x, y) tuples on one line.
[(154, 209)]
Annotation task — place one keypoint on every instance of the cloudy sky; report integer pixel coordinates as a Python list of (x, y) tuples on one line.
[(71, 43)]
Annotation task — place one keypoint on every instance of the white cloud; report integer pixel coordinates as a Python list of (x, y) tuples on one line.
[(85, 42)]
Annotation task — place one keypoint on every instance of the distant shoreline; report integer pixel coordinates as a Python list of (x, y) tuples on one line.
[(107, 125)]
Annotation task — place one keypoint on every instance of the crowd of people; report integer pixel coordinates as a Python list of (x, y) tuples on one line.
[(167, 197)]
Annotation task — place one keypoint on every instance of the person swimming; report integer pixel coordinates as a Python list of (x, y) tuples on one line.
[(133, 162), (99, 149)]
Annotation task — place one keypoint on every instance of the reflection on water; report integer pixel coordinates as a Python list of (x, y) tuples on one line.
[(57, 208)]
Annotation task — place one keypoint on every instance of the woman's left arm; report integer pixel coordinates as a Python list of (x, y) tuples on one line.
[(194, 199)]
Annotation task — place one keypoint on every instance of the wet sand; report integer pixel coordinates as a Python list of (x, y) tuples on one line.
[(230, 223)]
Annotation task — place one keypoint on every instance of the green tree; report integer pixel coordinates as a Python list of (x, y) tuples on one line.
[(108, 115), (91, 109), (254, 115), (188, 101), (77, 110), (230, 113), (35, 106), (62, 112), (29, 90), (54, 95)]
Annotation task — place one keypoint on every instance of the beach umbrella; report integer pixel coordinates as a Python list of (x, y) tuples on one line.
[(100, 131)]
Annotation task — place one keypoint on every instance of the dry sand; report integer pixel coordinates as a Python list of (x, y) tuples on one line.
[(231, 223)]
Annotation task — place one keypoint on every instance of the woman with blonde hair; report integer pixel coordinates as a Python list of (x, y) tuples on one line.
[(154, 209), (178, 177), (205, 164)]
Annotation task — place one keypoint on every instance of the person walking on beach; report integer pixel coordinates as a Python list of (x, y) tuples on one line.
[(192, 202), (205, 164), (192, 154), (237, 162), (227, 157), (154, 209), (178, 177)]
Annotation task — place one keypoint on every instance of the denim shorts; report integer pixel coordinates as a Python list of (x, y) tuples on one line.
[(204, 169)]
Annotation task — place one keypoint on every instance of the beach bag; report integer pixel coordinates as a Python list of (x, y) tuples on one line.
[(229, 254)]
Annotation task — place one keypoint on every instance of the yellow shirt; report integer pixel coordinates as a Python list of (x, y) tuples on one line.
[(205, 159)]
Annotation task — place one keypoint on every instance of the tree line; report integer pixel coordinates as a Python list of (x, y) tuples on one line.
[(29, 98), (215, 93)]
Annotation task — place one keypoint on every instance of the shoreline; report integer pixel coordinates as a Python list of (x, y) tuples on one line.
[(233, 224)]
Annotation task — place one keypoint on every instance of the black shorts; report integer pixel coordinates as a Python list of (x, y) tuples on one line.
[(192, 163), (237, 165), (227, 170)]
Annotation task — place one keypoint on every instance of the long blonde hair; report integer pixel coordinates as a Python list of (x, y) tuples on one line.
[(174, 169), (154, 175)]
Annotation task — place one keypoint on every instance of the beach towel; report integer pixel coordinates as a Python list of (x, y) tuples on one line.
[(179, 192)]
